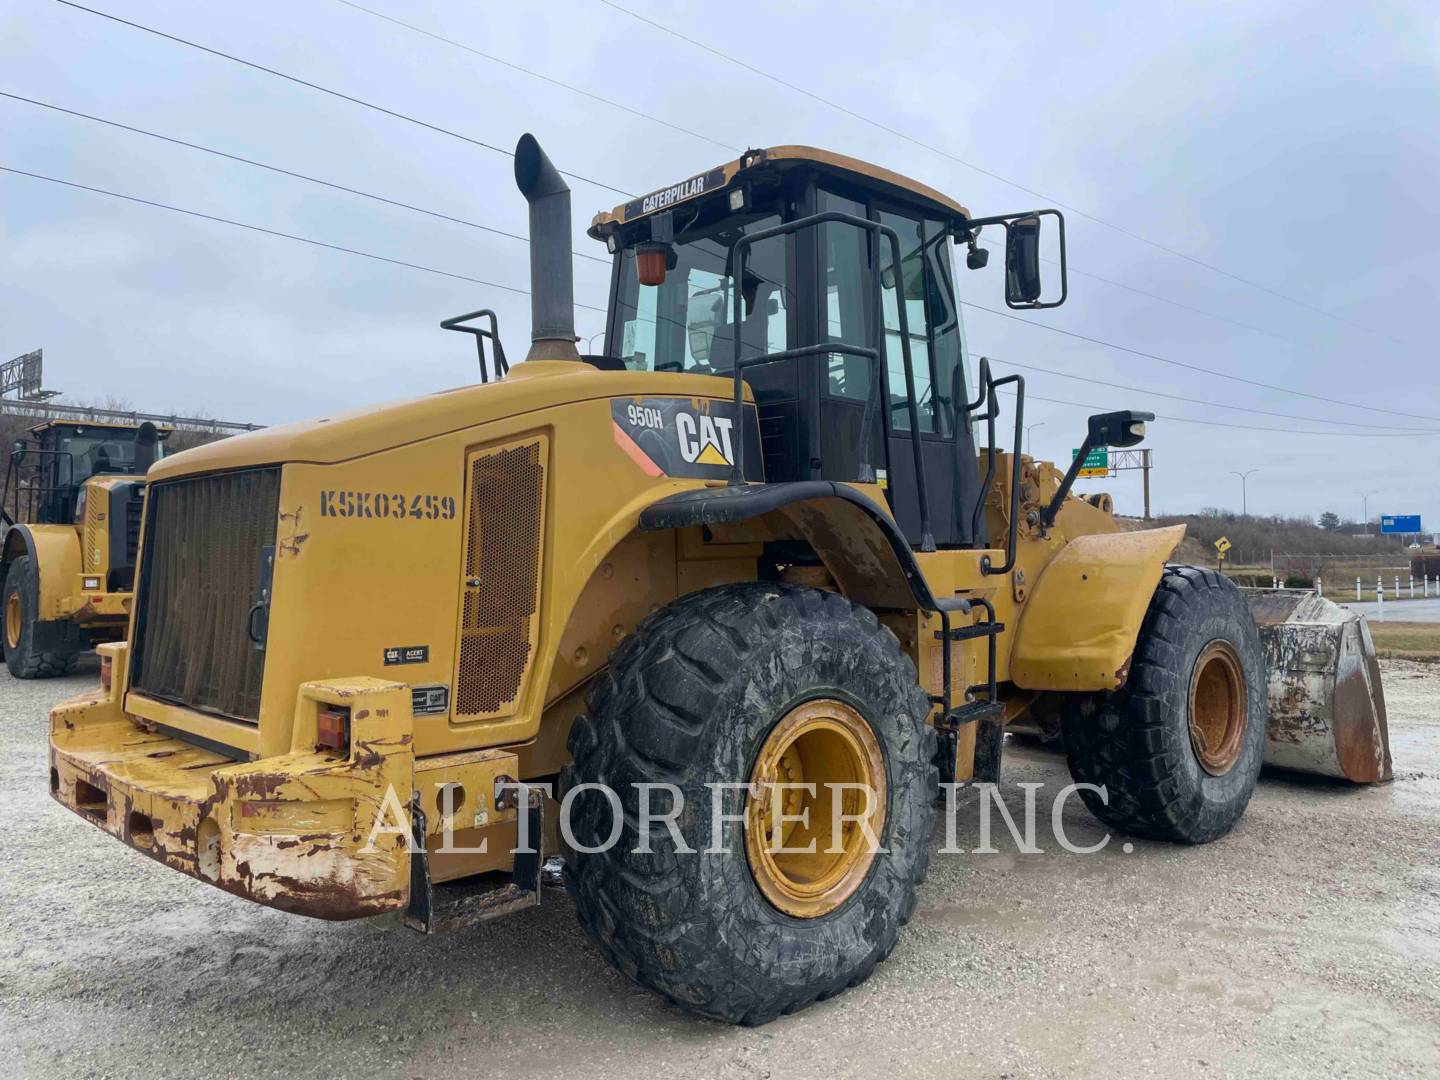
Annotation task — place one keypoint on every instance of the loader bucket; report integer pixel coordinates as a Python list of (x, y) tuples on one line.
[(1327, 708)]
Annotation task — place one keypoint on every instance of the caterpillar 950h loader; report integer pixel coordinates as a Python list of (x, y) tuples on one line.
[(743, 589), (69, 528)]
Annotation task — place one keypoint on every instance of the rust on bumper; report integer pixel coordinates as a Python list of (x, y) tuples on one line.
[(291, 832)]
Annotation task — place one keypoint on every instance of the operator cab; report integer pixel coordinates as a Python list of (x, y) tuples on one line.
[(815, 294), (48, 470)]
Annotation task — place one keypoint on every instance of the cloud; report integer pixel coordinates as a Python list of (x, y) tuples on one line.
[(1289, 147)]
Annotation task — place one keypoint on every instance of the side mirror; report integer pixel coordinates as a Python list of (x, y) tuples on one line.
[(1022, 262), (1024, 285), (1118, 429)]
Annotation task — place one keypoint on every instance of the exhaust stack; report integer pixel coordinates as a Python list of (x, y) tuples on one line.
[(552, 279), (147, 442)]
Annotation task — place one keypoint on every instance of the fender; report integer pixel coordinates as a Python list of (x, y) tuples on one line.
[(859, 543), (55, 551), (1080, 625), (17, 542), (856, 539)]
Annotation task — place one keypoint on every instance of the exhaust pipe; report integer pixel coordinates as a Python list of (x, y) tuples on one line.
[(552, 278), (147, 441)]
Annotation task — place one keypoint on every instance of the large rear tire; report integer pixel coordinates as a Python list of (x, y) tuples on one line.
[(26, 656), (738, 683), (1178, 748)]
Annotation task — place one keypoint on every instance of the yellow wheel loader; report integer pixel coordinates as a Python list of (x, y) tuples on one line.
[(69, 528), (713, 613)]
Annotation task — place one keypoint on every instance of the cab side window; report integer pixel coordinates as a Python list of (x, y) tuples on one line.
[(910, 286)]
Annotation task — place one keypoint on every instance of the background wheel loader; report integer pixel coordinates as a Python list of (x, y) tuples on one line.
[(69, 528), (734, 596)]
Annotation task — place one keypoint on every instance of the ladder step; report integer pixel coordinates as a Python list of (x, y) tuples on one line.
[(976, 630), (983, 711)]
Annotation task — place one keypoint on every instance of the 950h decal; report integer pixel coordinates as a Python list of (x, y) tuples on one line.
[(386, 504), (694, 438)]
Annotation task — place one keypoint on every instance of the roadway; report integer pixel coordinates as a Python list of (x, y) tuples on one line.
[(1397, 610)]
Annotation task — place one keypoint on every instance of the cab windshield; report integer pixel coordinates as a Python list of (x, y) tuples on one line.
[(685, 323), (94, 451)]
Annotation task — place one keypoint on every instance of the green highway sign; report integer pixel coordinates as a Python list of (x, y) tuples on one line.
[(1097, 461)]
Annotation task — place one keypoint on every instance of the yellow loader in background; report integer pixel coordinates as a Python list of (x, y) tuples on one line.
[(69, 529), (735, 596)]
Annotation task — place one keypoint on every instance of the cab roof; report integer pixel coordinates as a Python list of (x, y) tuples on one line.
[(778, 159), (163, 430)]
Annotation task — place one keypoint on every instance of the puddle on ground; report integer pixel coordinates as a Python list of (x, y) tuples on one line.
[(989, 916)]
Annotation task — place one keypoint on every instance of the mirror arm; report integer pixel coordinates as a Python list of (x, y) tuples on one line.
[(1047, 516)]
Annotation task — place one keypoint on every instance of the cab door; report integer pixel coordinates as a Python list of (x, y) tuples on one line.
[(864, 411)]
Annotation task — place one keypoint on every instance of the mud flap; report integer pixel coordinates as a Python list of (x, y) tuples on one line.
[(437, 909), (1327, 707)]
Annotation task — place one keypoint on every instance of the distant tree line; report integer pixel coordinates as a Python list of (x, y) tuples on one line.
[(1253, 538)]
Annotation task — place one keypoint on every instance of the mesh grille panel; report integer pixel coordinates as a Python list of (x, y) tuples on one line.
[(502, 571), (95, 501), (134, 507), (202, 561)]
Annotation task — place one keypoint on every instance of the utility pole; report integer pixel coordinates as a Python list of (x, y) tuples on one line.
[(1244, 497), (1365, 508), (1030, 443)]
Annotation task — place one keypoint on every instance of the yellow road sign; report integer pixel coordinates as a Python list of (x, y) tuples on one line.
[(1222, 545)]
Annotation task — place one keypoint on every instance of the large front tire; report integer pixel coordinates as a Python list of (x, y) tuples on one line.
[(26, 654), (1178, 748), (715, 689)]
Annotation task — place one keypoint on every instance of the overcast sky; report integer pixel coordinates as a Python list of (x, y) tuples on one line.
[(1294, 145)]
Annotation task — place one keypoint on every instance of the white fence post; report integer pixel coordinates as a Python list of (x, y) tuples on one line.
[(1412, 586), (1380, 599), (1319, 586), (1357, 590)]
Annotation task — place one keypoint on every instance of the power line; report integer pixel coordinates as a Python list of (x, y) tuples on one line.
[(282, 172), (596, 97), (537, 75), (516, 236), (1239, 427), (489, 146), (327, 90), (589, 307), (1185, 307), (986, 172), (1208, 404), (275, 232), (1193, 367), (729, 146)]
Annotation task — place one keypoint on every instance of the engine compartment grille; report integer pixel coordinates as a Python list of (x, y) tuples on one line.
[(207, 541), (505, 516), (134, 508)]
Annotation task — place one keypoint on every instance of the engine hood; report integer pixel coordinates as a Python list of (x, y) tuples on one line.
[(529, 387)]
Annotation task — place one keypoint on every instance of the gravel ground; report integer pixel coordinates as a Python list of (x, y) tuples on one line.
[(1305, 943)]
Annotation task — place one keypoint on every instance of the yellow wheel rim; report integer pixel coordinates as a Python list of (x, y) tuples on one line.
[(14, 620), (1218, 708), (816, 809)]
